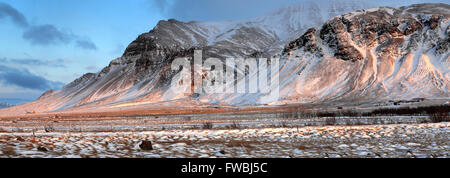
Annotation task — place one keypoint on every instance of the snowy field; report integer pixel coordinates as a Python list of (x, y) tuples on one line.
[(374, 141)]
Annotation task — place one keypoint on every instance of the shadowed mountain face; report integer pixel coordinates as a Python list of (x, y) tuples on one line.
[(366, 55)]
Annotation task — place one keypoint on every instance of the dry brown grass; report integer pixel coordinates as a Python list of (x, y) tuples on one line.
[(8, 151)]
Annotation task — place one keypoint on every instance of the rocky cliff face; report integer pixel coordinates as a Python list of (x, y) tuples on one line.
[(376, 54), (373, 54)]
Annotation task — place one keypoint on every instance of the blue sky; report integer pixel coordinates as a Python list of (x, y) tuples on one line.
[(45, 44), (57, 41)]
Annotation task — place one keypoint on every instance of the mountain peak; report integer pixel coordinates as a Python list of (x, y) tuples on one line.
[(365, 55)]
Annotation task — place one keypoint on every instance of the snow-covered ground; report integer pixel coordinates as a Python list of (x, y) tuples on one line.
[(399, 140)]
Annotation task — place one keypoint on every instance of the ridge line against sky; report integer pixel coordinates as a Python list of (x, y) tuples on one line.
[(55, 41)]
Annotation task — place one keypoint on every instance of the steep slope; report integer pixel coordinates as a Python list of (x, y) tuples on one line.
[(375, 54)]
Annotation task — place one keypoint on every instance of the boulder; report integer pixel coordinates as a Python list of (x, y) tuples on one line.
[(146, 145)]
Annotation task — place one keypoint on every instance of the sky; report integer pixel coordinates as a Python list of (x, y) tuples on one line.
[(45, 44)]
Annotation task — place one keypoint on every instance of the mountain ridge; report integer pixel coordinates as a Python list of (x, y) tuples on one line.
[(389, 50)]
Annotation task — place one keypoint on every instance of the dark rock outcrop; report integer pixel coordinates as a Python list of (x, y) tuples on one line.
[(308, 41), (146, 145), (41, 148)]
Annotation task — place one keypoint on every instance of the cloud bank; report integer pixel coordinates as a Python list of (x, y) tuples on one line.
[(16, 17), (44, 35), (25, 79), (209, 10), (213, 10), (35, 62), (86, 44)]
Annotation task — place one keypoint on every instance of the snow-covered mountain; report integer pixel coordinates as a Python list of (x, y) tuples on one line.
[(374, 54)]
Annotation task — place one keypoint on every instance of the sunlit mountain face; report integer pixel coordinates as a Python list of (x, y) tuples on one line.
[(45, 46), (300, 79), (365, 55)]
